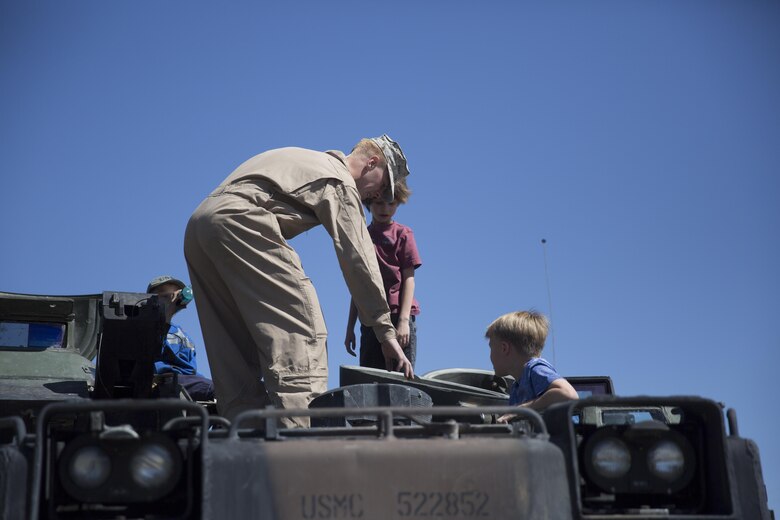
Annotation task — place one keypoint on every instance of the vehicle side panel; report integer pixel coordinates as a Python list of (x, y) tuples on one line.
[(492, 478)]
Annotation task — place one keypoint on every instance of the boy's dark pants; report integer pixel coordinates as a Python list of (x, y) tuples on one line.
[(371, 350)]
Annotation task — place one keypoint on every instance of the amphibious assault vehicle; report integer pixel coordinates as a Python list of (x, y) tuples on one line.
[(110, 440)]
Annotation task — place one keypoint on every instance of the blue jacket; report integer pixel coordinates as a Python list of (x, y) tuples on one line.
[(178, 353)]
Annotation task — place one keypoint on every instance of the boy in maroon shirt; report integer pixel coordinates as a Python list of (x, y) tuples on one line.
[(397, 254)]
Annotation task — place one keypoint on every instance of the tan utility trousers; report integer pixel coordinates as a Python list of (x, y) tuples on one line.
[(259, 313)]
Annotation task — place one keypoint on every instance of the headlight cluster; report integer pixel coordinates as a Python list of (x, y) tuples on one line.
[(638, 460), (120, 470)]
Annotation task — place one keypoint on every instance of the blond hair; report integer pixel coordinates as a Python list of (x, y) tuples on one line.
[(368, 148), (525, 330)]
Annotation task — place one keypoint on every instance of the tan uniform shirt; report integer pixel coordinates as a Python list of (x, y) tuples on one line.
[(317, 188)]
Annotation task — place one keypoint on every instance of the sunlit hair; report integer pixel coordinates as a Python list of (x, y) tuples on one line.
[(402, 193), (368, 148), (524, 330)]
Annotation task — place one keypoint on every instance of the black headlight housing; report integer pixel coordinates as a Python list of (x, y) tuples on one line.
[(654, 455), (96, 469), (647, 458), (92, 469)]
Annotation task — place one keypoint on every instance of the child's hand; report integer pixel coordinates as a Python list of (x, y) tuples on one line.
[(350, 343), (402, 332)]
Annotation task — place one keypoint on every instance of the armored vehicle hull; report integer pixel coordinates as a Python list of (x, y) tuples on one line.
[(69, 451)]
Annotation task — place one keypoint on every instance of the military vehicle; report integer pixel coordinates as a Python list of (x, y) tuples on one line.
[(109, 440)]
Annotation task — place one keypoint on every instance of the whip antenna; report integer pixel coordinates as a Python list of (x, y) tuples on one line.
[(549, 300)]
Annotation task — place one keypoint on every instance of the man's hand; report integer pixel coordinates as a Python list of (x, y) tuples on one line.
[(350, 343), (395, 358), (402, 332)]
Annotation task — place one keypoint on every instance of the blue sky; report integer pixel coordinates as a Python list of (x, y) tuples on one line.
[(640, 139)]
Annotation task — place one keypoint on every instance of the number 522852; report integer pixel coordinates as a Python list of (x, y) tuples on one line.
[(450, 504)]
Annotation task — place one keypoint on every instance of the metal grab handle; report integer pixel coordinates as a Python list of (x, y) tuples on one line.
[(176, 421), (384, 414), (16, 423)]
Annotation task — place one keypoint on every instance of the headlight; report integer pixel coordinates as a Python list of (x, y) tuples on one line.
[(89, 467), (124, 470), (666, 461), (152, 466), (645, 458), (611, 458)]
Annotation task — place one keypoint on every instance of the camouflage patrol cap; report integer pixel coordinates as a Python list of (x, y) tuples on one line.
[(160, 280), (396, 163)]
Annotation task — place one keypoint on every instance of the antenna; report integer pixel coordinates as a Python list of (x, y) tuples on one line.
[(549, 300)]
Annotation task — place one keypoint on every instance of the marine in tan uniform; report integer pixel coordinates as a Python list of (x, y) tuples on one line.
[(262, 324)]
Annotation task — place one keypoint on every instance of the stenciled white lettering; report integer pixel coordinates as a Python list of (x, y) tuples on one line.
[(332, 506)]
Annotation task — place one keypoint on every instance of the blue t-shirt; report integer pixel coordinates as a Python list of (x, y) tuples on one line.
[(536, 378), (178, 353)]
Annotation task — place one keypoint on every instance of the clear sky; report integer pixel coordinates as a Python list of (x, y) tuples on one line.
[(640, 139)]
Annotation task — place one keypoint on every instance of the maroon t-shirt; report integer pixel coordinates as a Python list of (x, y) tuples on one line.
[(395, 250)]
